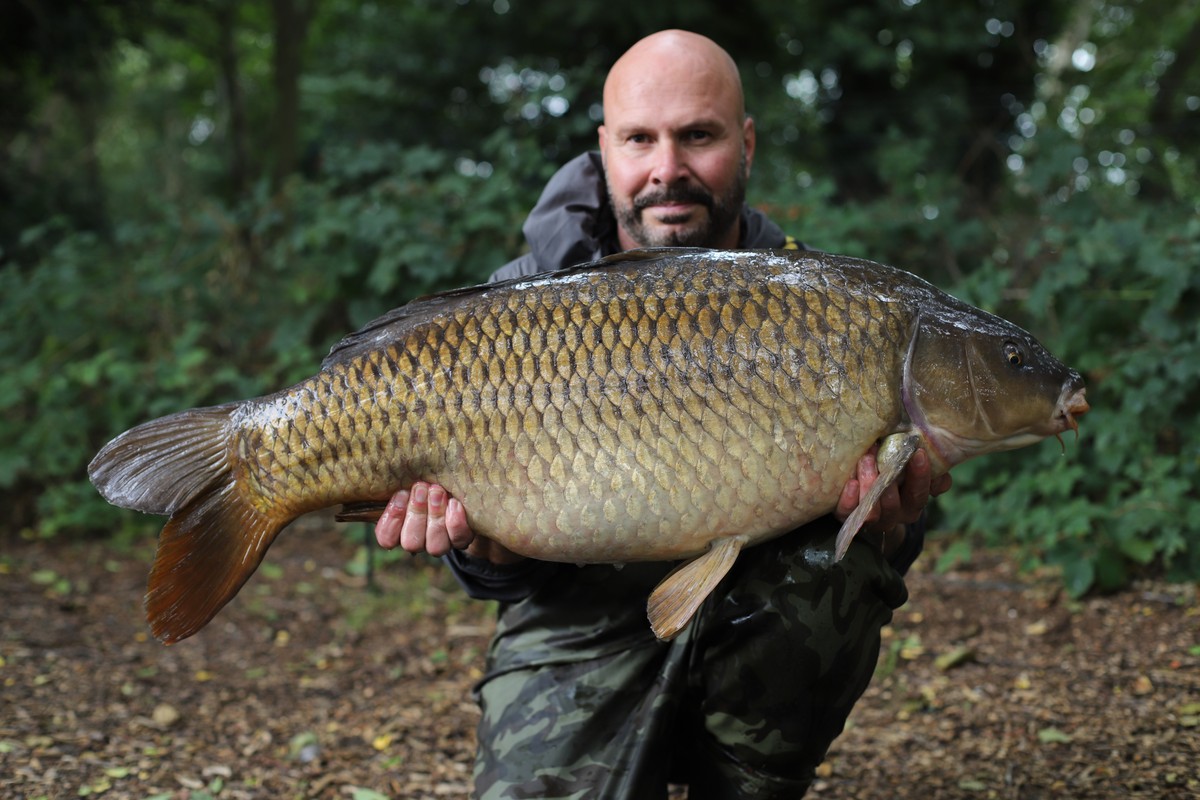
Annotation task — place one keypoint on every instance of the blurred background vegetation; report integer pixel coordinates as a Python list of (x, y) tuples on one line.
[(198, 198)]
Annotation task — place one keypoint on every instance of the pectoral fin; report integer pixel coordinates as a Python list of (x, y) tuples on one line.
[(894, 454), (675, 601)]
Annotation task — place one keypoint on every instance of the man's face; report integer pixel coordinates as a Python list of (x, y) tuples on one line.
[(677, 151)]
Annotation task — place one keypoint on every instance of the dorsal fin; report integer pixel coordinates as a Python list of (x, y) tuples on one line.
[(389, 326)]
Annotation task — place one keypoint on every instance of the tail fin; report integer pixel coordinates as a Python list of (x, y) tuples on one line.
[(162, 465), (182, 466)]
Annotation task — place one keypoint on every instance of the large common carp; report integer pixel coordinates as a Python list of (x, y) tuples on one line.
[(655, 405)]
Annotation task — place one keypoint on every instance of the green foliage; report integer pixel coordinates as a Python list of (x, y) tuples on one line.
[(1115, 296), (221, 305)]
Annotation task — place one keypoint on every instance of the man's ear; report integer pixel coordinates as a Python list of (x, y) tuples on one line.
[(602, 138)]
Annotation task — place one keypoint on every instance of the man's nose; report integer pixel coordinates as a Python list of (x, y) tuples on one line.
[(670, 165)]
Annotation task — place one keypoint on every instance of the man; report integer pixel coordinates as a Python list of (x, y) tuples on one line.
[(580, 699)]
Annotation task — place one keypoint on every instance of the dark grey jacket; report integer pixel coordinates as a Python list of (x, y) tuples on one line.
[(573, 223)]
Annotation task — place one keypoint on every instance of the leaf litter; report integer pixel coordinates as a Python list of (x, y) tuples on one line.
[(310, 685)]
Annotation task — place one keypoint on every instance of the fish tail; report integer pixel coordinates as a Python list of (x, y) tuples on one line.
[(164, 464), (183, 466), (205, 553)]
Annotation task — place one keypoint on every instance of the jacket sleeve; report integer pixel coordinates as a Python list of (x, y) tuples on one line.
[(911, 547), (519, 267), (508, 583)]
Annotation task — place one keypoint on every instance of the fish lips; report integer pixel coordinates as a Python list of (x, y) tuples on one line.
[(1072, 403)]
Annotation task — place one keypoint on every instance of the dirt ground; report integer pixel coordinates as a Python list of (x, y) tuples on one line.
[(990, 685)]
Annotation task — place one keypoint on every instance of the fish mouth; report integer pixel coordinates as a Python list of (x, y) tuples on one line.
[(1072, 404)]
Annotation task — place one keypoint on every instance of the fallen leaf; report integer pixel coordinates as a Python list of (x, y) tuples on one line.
[(165, 715), (1038, 628), (304, 747), (911, 648), (1053, 736), (954, 658), (359, 793)]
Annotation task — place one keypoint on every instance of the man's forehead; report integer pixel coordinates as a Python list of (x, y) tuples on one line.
[(651, 102)]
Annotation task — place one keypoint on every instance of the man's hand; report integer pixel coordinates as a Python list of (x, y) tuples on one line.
[(900, 504), (426, 519)]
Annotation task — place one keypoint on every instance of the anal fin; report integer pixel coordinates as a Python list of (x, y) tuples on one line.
[(676, 599), (895, 451)]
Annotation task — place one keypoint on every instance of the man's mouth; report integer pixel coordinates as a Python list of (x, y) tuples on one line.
[(674, 203), (673, 212)]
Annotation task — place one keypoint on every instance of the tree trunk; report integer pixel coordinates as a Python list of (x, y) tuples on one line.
[(227, 61), (291, 28)]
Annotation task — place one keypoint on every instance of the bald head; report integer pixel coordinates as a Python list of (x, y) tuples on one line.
[(683, 61), (676, 142)]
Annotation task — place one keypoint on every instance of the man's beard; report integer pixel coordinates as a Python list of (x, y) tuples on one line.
[(723, 213)]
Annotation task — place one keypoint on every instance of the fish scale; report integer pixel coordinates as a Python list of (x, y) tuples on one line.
[(658, 405)]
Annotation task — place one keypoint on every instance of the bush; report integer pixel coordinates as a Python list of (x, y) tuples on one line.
[(209, 305), (1112, 292)]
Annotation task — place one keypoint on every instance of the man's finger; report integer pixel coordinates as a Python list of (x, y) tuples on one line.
[(387, 527), (457, 529), (437, 541), (915, 486), (887, 512), (868, 473), (848, 501), (412, 534)]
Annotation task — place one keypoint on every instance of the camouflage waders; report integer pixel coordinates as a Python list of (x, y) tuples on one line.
[(580, 700)]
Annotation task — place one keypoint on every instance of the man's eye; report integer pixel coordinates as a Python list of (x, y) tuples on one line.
[(697, 136), (639, 138)]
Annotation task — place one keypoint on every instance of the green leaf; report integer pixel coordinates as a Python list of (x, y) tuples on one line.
[(954, 658), (1054, 736), (958, 552), (359, 793), (1079, 575)]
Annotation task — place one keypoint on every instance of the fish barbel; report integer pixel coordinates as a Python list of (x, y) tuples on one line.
[(655, 405)]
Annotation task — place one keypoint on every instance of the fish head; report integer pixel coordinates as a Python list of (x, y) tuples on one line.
[(975, 383)]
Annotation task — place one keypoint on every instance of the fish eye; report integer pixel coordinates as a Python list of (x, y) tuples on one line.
[(1013, 354)]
